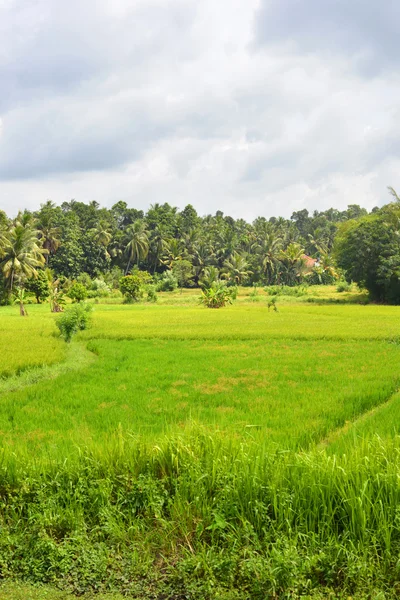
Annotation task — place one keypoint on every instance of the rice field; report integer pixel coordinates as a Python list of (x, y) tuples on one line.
[(28, 343), (172, 451)]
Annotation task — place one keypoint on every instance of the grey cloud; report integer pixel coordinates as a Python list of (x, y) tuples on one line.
[(55, 47), (166, 100), (363, 31)]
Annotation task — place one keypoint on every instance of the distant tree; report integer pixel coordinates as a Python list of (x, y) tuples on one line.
[(39, 286), (50, 233), (237, 269), (137, 247), (183, 271), (368, 250), (20, 253), (293, 264), (77, 292), (159, 245), (133, 286)]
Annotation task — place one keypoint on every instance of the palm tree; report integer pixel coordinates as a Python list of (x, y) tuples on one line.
[(236, 267), (102, 236), (271, 247), (48, 232), (176, 251), (203, 255), (138, 246), (393, 193), (159, 245), (293, 263), (20, 253), (102, 233)]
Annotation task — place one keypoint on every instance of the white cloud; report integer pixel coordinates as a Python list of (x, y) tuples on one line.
[(181, 101)]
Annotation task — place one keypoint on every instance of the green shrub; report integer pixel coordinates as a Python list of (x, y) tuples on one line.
[(217, 295), (151, 293), (321, 276), (343, 286), (99, 289), (77, 292), (133, 286), (234, 290), (167, 283), (74, 319)]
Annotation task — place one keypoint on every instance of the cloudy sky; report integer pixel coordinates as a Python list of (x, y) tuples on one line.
[(253, 107)]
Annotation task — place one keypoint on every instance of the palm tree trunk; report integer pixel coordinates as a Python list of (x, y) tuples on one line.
[(22, 310)]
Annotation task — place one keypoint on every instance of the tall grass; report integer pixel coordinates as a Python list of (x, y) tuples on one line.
[(205, 516)]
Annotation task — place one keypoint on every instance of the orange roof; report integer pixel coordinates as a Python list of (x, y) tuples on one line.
[(308, 261)]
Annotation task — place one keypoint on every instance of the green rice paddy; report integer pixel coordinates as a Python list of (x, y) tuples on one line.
[(239, 451)]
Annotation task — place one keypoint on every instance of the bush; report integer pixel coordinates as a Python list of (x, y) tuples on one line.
[(151, 293), (217, 295), (321, 276), (183, 272), (133, 286), (73, 320), (99, 289), (167, 283), (77, 292), (343, 286)]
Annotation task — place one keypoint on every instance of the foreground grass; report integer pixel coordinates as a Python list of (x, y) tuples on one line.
[(200, 517), (99, 493)]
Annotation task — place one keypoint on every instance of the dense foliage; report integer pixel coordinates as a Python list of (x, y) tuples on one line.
[(82, 243), (193, 518), (368, 250)]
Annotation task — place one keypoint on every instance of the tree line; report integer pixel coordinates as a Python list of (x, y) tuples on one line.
[(79, 242)]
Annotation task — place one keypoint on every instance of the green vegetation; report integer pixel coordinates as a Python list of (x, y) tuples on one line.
[(368, 249), (173, 452), (74, 319), (202, 454), (87, 249), (27, 343)]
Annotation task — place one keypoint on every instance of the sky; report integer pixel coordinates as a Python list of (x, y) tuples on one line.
[(252, 107)]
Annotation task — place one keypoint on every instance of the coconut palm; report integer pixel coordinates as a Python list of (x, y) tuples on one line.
[(49, 234), (293, 264), (176, 251), (237, 268), (138, 246), (21, 254), (271, 247), (203, 255), (159, 244), (102, 234)]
